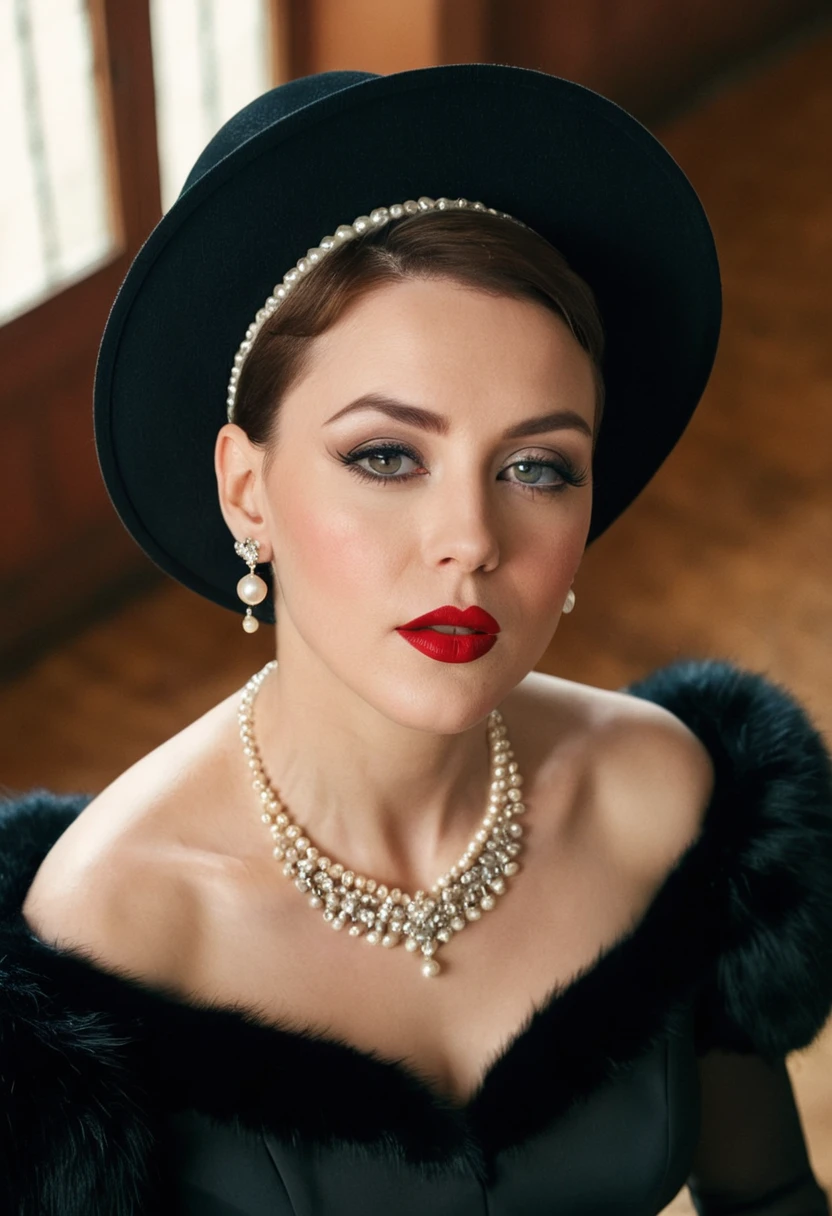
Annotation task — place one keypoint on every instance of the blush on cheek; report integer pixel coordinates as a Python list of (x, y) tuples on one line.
[(550, 566), (337, 559), (572, 551)]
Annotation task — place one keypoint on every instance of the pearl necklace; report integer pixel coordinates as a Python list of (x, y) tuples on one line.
[(424, 921)]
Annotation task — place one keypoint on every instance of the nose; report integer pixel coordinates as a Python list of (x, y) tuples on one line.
[(461, 524)]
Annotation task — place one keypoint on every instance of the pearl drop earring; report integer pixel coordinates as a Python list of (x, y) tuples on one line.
[(251, 588), (569, 602)]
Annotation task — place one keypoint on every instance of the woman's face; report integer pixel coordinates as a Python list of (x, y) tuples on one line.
[(451, 513)]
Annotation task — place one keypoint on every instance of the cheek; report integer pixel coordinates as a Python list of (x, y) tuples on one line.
[(549, 559), (332, 549)]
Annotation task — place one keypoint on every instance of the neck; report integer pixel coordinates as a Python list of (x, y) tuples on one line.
[(391, 802)]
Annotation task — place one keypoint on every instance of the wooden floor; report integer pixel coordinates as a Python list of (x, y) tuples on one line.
[(727, 553)]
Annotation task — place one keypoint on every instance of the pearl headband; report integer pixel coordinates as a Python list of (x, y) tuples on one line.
[(345, 232)]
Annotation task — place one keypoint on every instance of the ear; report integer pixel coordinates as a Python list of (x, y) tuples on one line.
[(238, 464)]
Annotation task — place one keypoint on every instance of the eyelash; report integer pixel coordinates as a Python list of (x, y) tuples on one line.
[(567, 470)]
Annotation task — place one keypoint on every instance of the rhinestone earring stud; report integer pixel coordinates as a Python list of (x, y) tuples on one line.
[(569, 602), (251, 588)]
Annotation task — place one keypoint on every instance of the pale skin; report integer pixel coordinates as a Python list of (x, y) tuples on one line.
[(379, 750)]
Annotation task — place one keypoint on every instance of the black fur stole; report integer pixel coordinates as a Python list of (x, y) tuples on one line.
[(741, 928)]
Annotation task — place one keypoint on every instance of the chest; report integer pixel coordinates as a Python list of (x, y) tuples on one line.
[(264, 948)]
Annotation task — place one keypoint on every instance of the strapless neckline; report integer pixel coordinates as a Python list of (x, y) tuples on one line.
[(585, 1031)]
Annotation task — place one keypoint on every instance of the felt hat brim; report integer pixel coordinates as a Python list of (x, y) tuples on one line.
[(315, 153)]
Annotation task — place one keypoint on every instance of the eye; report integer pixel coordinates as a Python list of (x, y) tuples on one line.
[(537, 470), (385, 461), (547, 476)]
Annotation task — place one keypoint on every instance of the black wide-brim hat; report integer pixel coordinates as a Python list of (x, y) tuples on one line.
[(318, 151)]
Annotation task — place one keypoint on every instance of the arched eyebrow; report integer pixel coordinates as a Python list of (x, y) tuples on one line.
[(439, 424)]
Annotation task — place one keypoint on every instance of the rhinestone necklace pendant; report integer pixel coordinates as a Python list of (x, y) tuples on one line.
[(425, 921)]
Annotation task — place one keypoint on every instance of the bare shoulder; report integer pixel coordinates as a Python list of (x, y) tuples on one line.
[(126, 883), (125, 908), (655, 779), (646, 775)]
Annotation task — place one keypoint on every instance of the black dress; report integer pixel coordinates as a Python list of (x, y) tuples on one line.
[(117, 1098)]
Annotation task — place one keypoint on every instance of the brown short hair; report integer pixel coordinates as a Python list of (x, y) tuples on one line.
[(472, 248)]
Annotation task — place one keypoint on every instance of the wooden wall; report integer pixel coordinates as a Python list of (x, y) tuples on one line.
[(648, 55)]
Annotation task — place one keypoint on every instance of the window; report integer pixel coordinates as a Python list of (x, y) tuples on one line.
[(55, 215), (210, 58)]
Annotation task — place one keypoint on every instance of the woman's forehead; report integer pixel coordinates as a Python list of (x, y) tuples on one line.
[(447, 342)]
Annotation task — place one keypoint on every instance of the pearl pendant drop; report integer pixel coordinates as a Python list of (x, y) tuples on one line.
[(250, 622), (426, 921), (252, 589)]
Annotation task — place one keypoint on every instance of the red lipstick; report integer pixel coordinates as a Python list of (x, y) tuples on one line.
[(452, 647)]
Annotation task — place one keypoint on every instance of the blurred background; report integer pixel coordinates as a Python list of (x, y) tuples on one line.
[(104, 106)]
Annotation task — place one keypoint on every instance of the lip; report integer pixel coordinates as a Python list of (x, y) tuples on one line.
[(449, 647), (468, 618)]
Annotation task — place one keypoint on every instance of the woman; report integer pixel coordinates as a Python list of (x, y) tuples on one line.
[(617, 903)]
